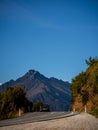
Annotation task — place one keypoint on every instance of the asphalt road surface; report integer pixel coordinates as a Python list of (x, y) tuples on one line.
[(36, 117)]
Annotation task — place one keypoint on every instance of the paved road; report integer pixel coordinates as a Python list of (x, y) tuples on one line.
[(35, 117)]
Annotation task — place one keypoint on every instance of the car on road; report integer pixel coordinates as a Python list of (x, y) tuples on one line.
[(44, 108)]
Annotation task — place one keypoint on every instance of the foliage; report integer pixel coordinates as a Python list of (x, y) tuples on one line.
[(77, 83), (11, 100), (94, 111), (85, 86), (36, 106), (85, 96), (91, 61)]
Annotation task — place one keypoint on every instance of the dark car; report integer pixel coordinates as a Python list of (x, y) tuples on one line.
[(44, 108)]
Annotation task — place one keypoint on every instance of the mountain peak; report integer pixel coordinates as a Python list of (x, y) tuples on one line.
[(43, 89), (32, 72)]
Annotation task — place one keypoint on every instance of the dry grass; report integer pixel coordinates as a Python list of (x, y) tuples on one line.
[(82, 121)]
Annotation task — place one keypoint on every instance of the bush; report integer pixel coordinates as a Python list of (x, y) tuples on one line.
[(94, 111), (11, 100)]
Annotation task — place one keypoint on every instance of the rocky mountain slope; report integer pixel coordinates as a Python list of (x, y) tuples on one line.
[(52, 91)]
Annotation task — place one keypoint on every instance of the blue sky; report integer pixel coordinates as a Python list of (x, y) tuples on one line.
[(53, 37)]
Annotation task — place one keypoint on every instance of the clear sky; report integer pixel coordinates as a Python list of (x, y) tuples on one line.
[(53, 37)]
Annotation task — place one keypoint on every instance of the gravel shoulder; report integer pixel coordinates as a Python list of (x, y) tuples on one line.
[(82, 121)]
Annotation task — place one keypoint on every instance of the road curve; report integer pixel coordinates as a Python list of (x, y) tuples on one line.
[(36, 117)]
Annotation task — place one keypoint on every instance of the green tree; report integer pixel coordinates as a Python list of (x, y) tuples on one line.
[(19, 97), (91, 61), (36, 106), (85, 96), (11, 100), (77, 83), (7, 104)]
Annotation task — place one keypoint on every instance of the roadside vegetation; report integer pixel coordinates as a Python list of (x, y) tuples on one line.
[(84, 89), (13, 100)]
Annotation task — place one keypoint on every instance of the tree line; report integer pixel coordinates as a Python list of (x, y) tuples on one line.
[(13, 99)]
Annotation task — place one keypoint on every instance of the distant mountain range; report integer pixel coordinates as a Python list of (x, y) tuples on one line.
[(52, 91)]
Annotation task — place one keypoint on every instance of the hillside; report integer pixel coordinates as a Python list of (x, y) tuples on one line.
[(85, 89), (52, 91)]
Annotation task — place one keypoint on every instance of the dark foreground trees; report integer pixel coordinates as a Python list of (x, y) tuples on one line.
[(11, 100)]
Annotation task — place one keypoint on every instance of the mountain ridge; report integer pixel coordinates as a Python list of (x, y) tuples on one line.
[(46, 90)]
